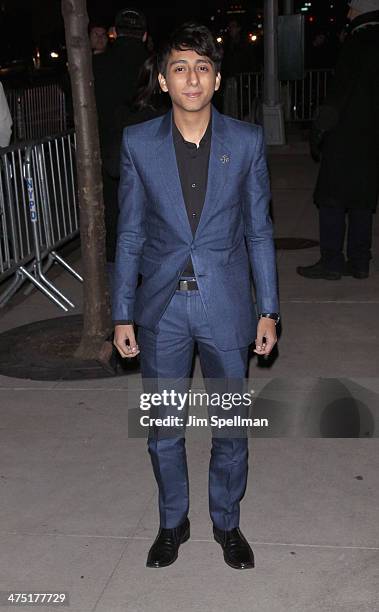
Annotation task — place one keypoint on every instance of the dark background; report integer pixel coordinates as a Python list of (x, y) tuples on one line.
[(26, 25)]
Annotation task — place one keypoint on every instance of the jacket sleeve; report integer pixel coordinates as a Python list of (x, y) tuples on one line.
[(130, 236), (340, 88), (259, 230)]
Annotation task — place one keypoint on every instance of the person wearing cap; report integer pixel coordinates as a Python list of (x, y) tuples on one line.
[(345, 137), (116, 80)]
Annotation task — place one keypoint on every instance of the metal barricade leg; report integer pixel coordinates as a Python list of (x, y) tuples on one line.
[(37, 282), (18, 280), (65, 265)]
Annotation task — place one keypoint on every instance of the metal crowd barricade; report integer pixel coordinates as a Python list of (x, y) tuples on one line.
[(38, 111), (38, 214), (249, 93), (300, 98)]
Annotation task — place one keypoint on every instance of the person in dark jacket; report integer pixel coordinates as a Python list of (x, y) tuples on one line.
[(345, 136), (116, 75), (239, 56)]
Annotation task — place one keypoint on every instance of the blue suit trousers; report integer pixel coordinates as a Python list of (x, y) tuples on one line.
[(168, 354)]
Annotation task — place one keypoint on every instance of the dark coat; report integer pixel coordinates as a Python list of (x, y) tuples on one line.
[(111, 170), (116, 79), (349, 123)]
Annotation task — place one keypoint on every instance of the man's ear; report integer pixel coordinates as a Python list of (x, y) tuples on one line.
[(218, 81), (144, 37), (162, 82)]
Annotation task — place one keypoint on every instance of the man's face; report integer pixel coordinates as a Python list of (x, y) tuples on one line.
[(99, 39), (190, 80)]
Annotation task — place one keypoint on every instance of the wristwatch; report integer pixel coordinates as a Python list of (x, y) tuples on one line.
[(270, 315)]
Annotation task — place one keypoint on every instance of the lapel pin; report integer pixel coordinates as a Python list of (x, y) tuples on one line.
[(224, 159)]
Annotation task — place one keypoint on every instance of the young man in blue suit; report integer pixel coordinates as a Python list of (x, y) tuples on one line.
[(194, 219)]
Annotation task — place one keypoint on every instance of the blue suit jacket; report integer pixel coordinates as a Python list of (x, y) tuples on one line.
[(234, 231)]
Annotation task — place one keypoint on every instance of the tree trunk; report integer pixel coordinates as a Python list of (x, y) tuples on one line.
[(96, 313)]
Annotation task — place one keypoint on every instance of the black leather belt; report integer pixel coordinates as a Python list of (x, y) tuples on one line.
[(187, 285)]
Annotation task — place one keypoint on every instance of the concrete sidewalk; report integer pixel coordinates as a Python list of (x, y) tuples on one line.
[(79, 501)]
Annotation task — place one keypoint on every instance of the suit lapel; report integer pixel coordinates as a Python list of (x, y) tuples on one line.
[(169, 172), (218, 170)]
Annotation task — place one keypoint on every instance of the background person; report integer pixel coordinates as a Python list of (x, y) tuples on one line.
[(98, 36), (239, 56), (345, 135), (116, 75)]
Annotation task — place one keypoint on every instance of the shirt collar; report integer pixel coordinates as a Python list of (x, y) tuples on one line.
[(178, 137)]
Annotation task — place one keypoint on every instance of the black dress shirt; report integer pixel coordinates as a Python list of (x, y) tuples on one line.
[(193, 162)]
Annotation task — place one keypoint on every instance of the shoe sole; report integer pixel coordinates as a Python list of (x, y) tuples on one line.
[(358, 276), (323, 277), (183, 539), (250, 565)]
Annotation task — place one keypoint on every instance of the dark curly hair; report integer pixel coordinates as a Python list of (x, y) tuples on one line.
[(188, 37)]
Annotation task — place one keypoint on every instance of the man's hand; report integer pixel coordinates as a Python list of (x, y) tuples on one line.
[(266, 336), (125, 341)]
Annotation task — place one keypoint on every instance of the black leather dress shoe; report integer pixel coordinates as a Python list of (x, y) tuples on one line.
[(318, 270), (164, 551), (237, 550), (356, 271)]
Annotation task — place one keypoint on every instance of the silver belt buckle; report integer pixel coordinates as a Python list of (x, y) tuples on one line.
[(183, 284)]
